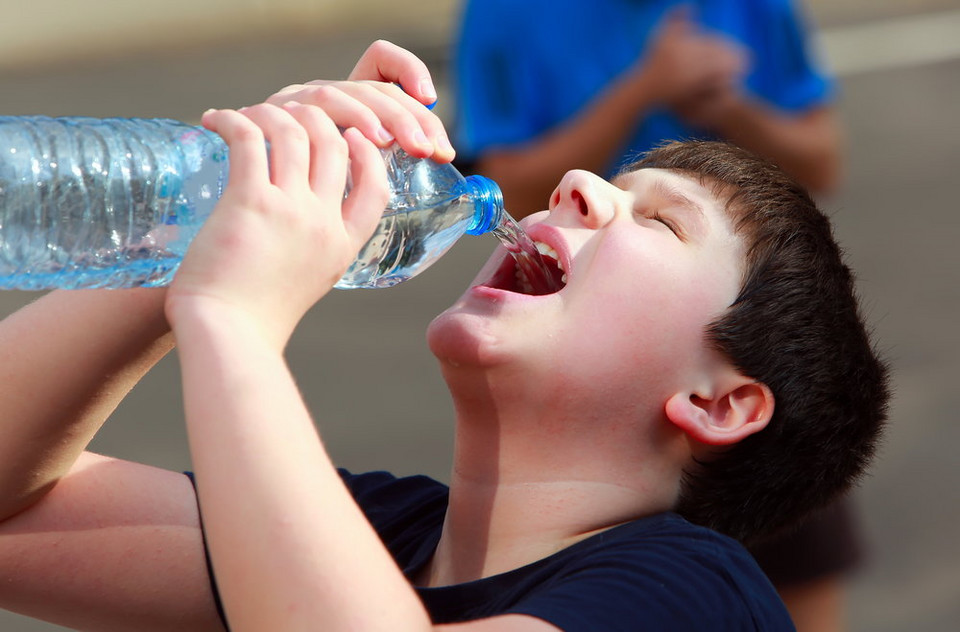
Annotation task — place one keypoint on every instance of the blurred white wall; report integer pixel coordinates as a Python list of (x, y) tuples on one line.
[(44, 31)]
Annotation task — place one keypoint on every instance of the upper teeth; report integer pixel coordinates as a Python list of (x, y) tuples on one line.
[(544, 249), (548, 251)]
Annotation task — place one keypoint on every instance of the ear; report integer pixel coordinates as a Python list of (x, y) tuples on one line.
[(724, 417)]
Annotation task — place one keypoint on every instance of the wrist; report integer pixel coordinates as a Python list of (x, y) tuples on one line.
[(210, 321)]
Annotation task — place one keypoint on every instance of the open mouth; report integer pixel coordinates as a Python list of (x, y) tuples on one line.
[(523, 273)]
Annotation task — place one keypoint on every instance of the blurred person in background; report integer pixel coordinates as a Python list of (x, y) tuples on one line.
[(545, 86)]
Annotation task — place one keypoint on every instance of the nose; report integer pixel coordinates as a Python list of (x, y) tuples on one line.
[(584, 199)]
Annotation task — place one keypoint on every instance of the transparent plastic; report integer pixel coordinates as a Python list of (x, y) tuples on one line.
[(114, 203)]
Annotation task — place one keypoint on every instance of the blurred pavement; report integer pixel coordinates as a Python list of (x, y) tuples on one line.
[(360, 356)]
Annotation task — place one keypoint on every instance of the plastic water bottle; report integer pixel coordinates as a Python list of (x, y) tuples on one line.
[(114, 203)]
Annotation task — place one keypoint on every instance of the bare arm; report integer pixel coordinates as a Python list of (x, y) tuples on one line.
[(68, 360), (87, 541), (808, 145), (114, 546), (275, 511), (290, 547), (289, 544), (287, 540)]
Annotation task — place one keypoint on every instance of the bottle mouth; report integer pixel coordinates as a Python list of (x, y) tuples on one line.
[(488, 204)]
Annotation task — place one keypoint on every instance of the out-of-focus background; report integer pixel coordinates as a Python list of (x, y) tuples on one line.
[(360, 356)]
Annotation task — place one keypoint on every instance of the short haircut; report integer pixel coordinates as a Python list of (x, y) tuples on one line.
[(795, 326)]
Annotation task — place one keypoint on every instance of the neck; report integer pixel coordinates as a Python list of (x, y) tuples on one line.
[(529, 481)]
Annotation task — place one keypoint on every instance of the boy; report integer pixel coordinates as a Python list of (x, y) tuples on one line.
[(584, 417)]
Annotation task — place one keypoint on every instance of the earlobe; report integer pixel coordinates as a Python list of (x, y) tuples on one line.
[(723, 418)]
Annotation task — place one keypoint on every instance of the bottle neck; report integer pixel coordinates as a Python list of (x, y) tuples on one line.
[(487, 204)]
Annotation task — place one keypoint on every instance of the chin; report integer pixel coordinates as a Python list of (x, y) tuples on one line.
[(458, 337)]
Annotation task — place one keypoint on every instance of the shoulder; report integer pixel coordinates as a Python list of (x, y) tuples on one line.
[(663, 570), (664, 541)]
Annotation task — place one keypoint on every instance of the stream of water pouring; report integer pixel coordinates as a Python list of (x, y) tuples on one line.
[(528, 258)]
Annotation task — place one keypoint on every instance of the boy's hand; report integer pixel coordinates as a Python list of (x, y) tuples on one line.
[(282, 234), (384, 98)]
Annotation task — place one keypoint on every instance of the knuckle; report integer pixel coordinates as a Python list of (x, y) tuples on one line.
[(380, 46), (284, 94), (322, 94), (248, 132)]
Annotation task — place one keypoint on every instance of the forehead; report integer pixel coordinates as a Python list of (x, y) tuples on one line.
[(648, 181)]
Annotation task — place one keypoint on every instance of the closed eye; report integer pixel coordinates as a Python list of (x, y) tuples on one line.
[(666, 222)]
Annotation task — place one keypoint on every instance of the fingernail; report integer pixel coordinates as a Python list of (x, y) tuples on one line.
[(443, 144), (427, 89)]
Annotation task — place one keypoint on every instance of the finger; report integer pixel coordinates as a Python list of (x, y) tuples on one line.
[(370, 193), (248, 151), (422, 136), (328, 150), (427, 138), (363, 107), (289, 144), (385, 61), (381, 111)]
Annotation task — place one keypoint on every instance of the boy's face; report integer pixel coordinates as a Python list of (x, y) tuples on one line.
[(650, 260)]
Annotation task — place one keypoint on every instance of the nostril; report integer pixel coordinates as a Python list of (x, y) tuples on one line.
[(580, 202)]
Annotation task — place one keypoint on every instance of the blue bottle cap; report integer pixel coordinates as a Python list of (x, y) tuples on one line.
[(488, 204)]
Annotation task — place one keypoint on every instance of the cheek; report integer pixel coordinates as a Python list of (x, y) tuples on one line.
[(646, 326), (625, 346)]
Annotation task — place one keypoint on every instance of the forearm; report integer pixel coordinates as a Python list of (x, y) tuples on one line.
[(289, 545), (68, 359), (592, 140), (808, 146)]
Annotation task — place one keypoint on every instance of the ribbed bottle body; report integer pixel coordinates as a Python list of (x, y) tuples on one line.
[(90, 202)]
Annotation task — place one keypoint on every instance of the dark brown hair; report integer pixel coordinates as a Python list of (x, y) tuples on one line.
[(796, 326)]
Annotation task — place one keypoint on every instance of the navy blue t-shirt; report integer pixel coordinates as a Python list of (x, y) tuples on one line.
[(657, 573), (660, 573)]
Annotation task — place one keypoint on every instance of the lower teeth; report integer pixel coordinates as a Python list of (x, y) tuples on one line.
[(522, 282)]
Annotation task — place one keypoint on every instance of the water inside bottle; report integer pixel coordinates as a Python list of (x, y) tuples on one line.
[(538, 277)]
